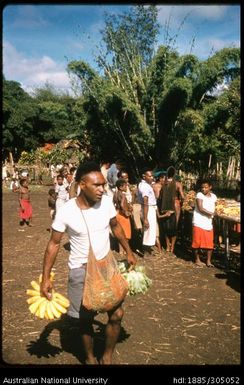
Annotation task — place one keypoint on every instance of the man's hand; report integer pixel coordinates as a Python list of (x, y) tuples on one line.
[(131, 259), (46, 287), (146, 224), (168, 213)]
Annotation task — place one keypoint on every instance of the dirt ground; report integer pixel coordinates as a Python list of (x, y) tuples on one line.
[(190, 316)]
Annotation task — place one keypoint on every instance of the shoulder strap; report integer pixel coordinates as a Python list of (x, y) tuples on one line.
[(91, 252)]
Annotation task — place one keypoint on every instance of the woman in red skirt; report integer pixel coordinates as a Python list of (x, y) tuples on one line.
[(202, 235), (25, 210)]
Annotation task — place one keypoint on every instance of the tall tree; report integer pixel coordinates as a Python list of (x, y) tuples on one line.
[(19, 116)]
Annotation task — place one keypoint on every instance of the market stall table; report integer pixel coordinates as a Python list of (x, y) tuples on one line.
[(226, 222)]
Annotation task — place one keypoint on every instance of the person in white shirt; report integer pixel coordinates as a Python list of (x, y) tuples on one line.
[(112, 175), (91, 211), (61, 192), (147, 199), (203, 235)]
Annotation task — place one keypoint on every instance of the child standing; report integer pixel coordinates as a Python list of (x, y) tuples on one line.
[(25, 211), (61, 191), (203, 236), (52, 202), (124, 209)]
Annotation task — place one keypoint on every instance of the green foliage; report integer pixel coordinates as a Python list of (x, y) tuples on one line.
[(27, 158), (142, 106)]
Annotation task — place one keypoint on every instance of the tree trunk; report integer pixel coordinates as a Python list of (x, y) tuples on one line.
[(11, 159), (209, 161)]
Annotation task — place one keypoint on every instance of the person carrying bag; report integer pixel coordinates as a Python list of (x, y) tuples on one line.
[(94, 282), (104, 288)]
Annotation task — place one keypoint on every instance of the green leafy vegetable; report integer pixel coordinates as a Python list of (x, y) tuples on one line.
[(137, 278)]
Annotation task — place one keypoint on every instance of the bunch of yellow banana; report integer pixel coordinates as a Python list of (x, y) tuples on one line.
[(44, 308)]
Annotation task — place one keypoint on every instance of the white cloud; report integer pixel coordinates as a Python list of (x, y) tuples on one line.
[(218, 44), (178, 12), (33, 72)]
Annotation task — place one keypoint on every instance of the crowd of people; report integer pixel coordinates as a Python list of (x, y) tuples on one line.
[(148, 212), (96, 205)]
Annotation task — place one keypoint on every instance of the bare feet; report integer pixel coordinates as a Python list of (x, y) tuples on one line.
[(209, 265), (104, 361), (199, 264), (91, 361)]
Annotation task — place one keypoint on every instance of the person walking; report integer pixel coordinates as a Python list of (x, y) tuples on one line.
[(87, 220), (202, 233)]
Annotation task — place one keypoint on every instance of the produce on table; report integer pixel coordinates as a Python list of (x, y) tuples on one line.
[(223, 207), (189, 201), (136, 278), (231, 212), (44, 308), (228, 209), (220, 205)]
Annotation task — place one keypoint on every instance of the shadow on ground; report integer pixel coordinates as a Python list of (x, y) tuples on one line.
[(70, 339)]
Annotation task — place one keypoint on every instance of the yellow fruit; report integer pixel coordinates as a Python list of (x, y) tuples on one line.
[(37, 313), (32, 299), (61, 299), (52, 274), (34, 306), (32, 292), (46, 316), (35, 285), (55, 312), (43, 306), (49, 312), (59, 307)]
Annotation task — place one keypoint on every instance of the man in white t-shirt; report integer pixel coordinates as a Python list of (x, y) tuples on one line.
[(97, 209), (202, 235), (147, 199)]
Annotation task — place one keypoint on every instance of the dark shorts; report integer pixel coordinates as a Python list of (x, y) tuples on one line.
[(75, 293), (169, 226)]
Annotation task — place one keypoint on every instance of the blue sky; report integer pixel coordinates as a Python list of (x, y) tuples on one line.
[(39, 40)]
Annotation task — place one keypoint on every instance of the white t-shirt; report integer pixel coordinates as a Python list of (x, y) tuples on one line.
[(146, 190), (69, 218), (201, 220), (62, 192)]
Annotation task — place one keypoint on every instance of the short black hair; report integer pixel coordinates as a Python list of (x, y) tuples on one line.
[(22, 181), (123, 171), (145, 170), (85, 168), (171, 172), (51, 191), (205, 181), (120, 182)]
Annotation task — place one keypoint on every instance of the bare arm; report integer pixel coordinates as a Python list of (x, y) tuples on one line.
[(145, 212), (180, 187), (199, 203), (49, 260), (20, 197), (166, 214), (120, 235)]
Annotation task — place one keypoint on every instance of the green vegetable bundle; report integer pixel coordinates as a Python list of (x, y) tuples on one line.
[(136, 278)]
